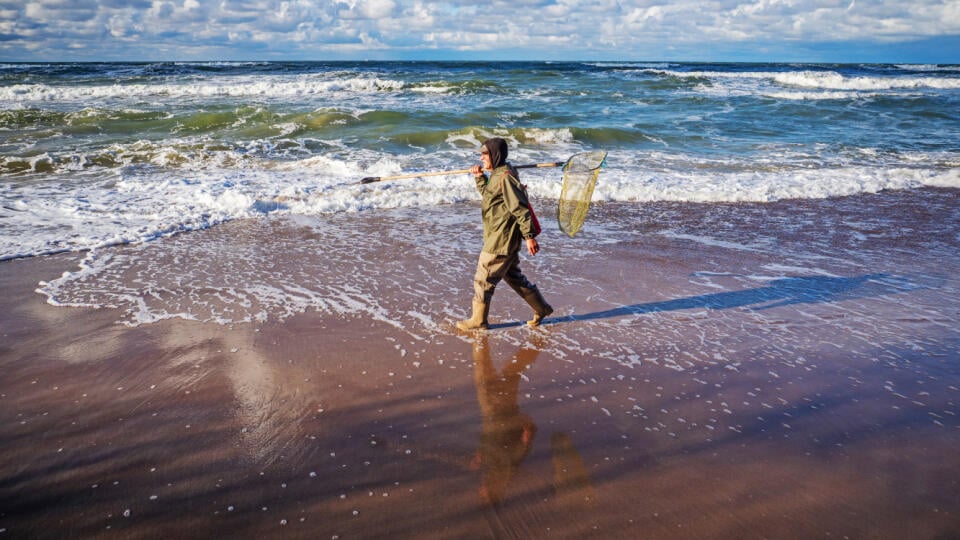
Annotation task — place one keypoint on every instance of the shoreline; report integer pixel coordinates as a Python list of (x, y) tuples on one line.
[(713, 371)]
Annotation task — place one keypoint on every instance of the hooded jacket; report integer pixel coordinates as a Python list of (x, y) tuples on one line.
[(505, 207)]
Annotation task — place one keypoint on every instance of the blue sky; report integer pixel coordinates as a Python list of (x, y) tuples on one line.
[(922, 31)]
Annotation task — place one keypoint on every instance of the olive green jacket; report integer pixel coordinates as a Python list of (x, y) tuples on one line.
[(506, 211)]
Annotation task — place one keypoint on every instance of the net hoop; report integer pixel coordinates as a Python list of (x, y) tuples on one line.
[(580, 174)]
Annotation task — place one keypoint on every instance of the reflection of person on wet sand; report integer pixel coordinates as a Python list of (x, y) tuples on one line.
[(570, 477), (507, 433)]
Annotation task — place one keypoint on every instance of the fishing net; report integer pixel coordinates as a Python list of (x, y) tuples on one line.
[(579, 178)]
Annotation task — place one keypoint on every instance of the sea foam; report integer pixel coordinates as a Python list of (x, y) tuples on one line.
[(130, 208), (825, 80), (228, 87)]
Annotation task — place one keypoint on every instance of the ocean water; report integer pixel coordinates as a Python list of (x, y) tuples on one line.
[(94, 155)]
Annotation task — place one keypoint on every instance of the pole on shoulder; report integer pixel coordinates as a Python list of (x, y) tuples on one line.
[(371, 179)]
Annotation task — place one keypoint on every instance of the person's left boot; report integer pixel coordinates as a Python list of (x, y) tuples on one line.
[(541, 309)]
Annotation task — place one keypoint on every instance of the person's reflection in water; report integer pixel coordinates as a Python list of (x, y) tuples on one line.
[(570, 477), (507, 434)]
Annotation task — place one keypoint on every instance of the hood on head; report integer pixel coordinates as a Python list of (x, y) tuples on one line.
[(498, 151)]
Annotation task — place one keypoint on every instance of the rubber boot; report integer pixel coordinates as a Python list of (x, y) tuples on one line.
[(479, 318), (541, 309)]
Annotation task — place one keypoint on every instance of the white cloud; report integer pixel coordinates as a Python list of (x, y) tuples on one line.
[(161, 9), (368, 9), (35, 11), (120, 26), (534, 28), (376, 9)]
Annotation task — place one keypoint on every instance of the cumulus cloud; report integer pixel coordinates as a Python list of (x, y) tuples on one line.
[(278, 29)]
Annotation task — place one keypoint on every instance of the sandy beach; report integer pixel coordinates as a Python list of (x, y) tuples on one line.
[(780, 370)]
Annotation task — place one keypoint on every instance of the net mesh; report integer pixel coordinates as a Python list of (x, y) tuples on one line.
[(579, 178)]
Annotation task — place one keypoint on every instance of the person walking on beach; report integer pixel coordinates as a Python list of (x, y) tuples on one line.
[(508, 222)]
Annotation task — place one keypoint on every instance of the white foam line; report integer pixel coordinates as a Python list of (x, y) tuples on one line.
[(706, 240)]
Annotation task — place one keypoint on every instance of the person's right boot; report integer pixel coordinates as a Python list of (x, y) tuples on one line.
[(541, 309), (479, 318)]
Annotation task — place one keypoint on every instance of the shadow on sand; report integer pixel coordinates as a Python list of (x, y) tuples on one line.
[(779, 292)]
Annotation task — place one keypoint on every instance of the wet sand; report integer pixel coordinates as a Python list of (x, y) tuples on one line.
[(787, 370)]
